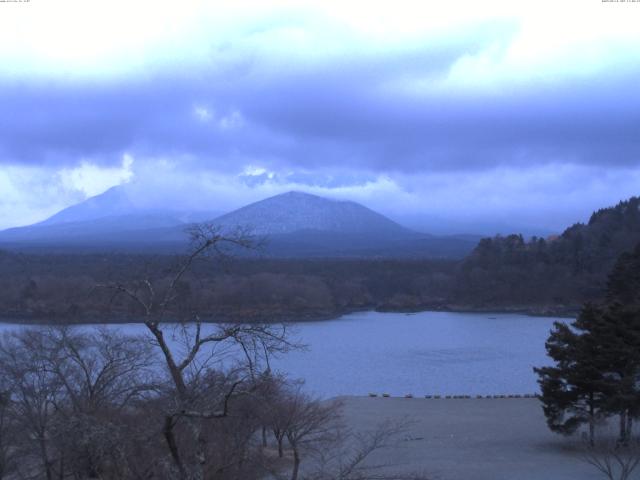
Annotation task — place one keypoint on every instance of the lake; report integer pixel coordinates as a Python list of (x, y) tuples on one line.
[(426, 353)]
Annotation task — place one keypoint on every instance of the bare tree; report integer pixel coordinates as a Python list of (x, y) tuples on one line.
[(102, 373), (314, 432), (616, 461), (200, 346), (7, 431), (351, 455), (34, 392), (308, 423), (99, 369), (67, 391), (273, 412), (331, 451)]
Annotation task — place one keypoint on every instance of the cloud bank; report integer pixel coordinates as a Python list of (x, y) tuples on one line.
[(497, 115)]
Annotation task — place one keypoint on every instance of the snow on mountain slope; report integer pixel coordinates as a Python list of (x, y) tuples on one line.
[(295, 211)]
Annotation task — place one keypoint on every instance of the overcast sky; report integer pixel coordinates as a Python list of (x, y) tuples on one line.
[(450, 115)]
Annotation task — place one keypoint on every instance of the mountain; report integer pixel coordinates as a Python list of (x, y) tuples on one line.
[(115, 209), (298, 224), (296, 211), (295, 224), (113, 203), (109, 219)]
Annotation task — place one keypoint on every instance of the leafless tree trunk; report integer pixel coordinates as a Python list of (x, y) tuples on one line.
[(253, 340), (296, 463), (623, 427), (5, 431), (592, 421), (280, 440)]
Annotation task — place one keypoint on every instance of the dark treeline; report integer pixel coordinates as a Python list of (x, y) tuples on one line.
[(61, 287), (554, 275)]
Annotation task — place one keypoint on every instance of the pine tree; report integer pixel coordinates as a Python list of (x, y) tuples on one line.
[(623, 285), (621, 339), (597, 359), (574, 391)]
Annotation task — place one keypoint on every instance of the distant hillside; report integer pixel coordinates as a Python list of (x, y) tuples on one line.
[(565, 270)]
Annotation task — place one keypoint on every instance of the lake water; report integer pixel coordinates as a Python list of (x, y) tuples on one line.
[(426, 353)]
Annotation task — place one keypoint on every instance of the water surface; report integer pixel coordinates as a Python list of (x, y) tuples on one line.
[(424, 353)]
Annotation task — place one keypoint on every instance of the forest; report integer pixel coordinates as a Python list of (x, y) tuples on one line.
[(560, 272), (504, 273)]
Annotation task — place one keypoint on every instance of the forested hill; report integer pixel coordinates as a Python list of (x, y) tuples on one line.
[(558, 271)]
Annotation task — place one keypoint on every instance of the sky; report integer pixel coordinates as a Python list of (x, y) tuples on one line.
[(450, 117)]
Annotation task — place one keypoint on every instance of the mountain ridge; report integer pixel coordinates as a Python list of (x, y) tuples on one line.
[(298, 224)]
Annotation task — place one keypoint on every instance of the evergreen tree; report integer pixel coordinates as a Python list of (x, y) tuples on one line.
[(621, 339), (597, 358), (574, 391), (623, 285)]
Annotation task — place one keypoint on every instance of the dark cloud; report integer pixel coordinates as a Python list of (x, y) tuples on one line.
[(322, 115)]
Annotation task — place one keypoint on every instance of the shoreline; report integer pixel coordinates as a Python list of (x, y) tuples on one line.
[(562, 312)]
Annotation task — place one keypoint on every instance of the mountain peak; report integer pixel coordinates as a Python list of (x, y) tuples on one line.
[(297, 194), (113, 202), (299, 211)]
